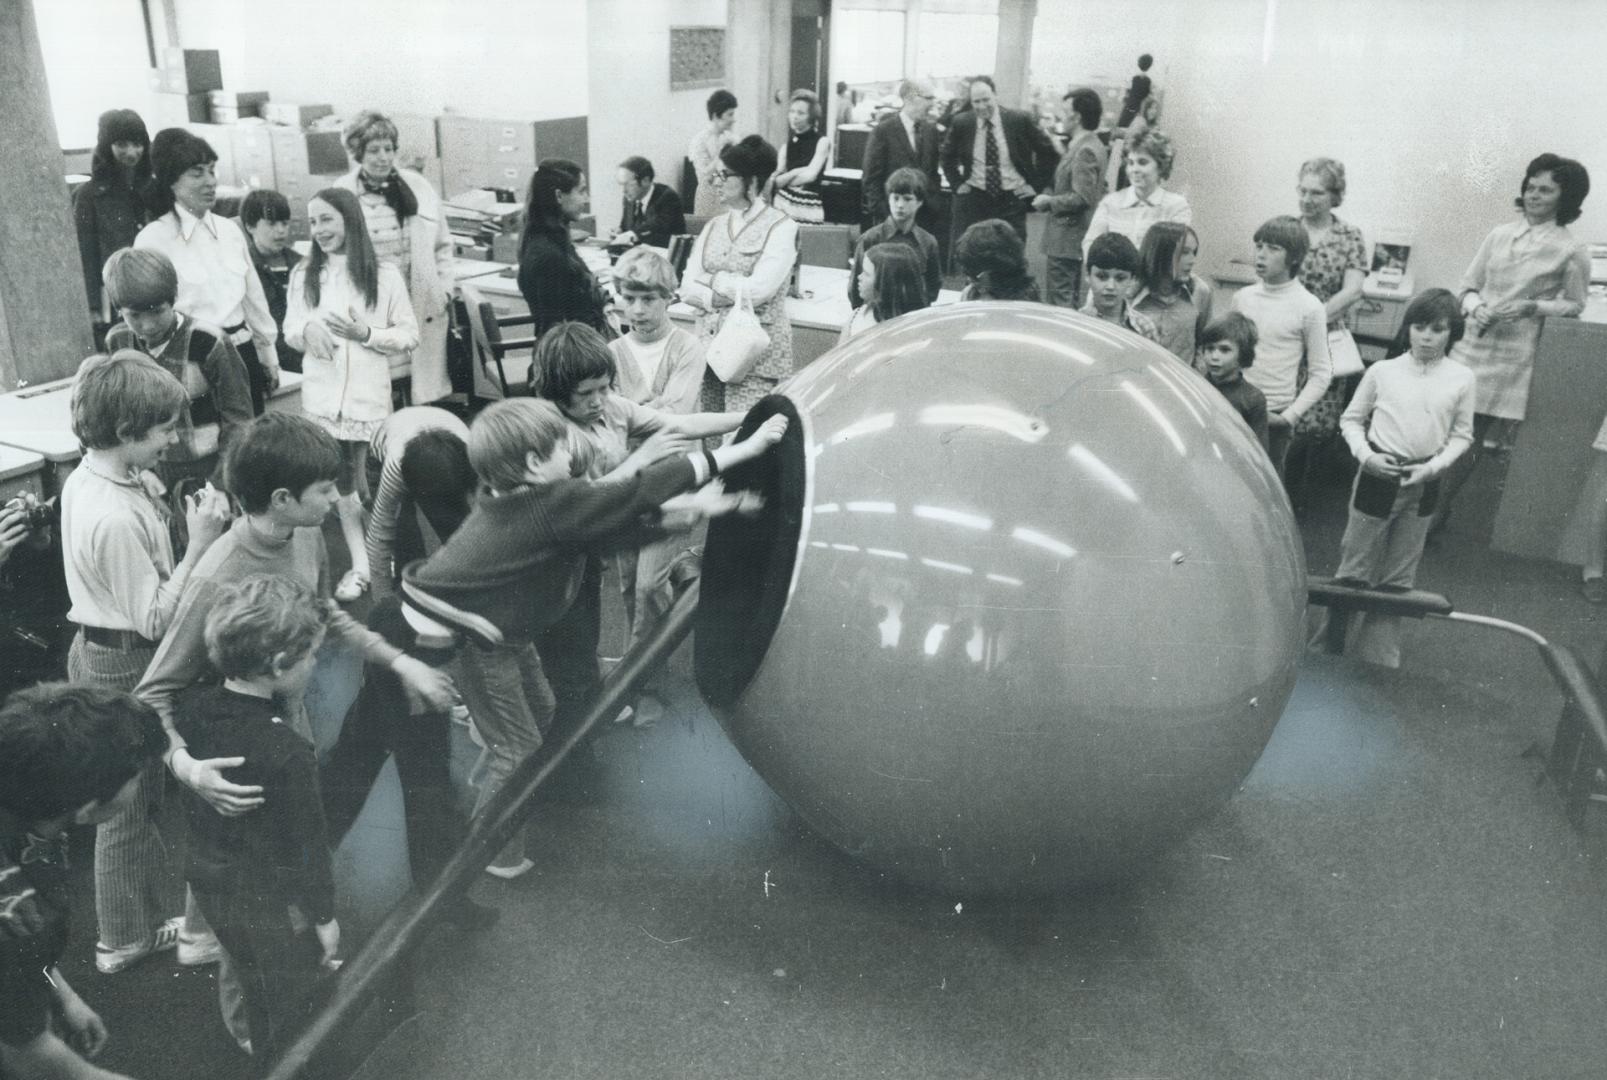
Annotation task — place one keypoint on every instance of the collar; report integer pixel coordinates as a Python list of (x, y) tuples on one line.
[(250, 537), (188, 222), (646, 197), (1131, 198), (755, 208), (1525, 229)]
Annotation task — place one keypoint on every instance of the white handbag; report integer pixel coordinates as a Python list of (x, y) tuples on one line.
[(1343, 353), (739, 344)]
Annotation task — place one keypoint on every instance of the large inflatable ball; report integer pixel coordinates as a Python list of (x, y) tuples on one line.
[(1022, 607)]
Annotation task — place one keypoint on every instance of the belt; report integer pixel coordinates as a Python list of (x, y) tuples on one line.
[(1398, 460), (236, 331), (122, 640)]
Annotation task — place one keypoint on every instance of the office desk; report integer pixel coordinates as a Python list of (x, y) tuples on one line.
[(817, 316), (38, 419), (21, 472)]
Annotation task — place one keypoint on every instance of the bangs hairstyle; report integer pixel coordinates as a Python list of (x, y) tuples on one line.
[(1571, 177), (1426, 308), (900, 287), (646, 270), (175, 152), (362, 265), (263, 204), (720, 102), (543, 215), (753, 159), (1113, 251), (121, 397), (139, 279), (1285, 232), (1158, 147), (907, 180), (566, 356), (435, 466), (115, 126), (810, 98), (1158, 255), (64, 746), (278, 450), (260, 624), (507, 431), (367, 126), (1237, 328)]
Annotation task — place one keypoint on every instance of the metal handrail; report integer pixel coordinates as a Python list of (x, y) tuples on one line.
[(1570, 763), (404, 928)]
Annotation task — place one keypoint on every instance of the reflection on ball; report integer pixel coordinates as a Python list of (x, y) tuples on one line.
[(1023, 607)]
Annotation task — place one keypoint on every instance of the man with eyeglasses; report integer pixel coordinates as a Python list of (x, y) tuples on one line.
[(908, 137)]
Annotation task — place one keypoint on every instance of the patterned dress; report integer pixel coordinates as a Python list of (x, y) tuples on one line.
[(1519, 261), (739, 253), (1323, 274)]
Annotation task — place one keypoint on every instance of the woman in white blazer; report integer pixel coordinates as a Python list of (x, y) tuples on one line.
[(408, 229)]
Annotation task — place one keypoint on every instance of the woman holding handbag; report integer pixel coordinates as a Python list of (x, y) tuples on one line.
[(1333, 272), (743, 256)]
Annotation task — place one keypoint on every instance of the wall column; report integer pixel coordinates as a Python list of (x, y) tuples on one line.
[(1014, 50), (44, 313)]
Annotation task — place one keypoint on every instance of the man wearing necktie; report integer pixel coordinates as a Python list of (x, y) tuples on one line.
[(907, 138), (651, 213), (996, 160)]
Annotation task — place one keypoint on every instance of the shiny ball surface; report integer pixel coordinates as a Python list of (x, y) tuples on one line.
[(1022, 609)]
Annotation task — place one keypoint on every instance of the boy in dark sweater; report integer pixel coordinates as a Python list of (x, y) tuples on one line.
[(906, 193), (1226, 348), (262, 878), (514, 567)]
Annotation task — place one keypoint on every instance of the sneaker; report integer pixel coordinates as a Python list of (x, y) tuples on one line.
[(109, 961), (625, 715), (199, 950), (649, 711), (508, 873)]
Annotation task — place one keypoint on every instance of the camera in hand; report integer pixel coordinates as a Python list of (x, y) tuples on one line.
[(37, 515)]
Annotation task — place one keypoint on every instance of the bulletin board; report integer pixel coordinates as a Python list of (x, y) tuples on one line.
[(697, 57)]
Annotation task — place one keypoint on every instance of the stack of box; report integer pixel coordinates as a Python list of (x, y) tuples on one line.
[(297, 116), (479, 153), (303, 163), (227, 106), (182, 84), (253, 155)]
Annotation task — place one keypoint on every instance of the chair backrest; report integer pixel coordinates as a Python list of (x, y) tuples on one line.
[(695, 223), (825, 245), (485, 336)]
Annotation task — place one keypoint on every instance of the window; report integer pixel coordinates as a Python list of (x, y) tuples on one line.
[(870, 46), (952, 44)]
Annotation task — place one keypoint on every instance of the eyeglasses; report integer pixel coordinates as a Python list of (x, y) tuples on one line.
[(719, 175)]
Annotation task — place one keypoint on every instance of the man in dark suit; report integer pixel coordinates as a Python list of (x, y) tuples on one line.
[(996, 160), (907, 138), (652, 212)]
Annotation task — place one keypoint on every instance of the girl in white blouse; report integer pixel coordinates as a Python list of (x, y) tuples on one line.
[(349, 314), (891, 285)]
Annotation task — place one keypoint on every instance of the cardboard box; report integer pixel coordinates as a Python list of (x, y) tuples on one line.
[(307, 153), (298, 116), (178, 110), (191, 71), (238, 102), (253, 155)]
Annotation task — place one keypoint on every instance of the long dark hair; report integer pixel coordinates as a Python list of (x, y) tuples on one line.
[(120, 125), (362, 265), (543, 216), (900, 288)]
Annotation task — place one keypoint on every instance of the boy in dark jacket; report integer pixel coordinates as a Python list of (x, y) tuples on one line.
[(262, 878)]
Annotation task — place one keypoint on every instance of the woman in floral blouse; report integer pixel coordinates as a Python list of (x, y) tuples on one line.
[(1332, 271)]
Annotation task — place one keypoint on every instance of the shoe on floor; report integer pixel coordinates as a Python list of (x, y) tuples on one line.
[(508, 873), (198, 950), (625, 715), (109, 961), (353, 584), (649, 711), (465, 914), (1594, 589)]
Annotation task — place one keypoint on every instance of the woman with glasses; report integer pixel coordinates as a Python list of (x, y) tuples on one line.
[(748, 249)]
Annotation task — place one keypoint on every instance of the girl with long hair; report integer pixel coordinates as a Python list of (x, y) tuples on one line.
[(891, 284), (348, 313), (555, 281)]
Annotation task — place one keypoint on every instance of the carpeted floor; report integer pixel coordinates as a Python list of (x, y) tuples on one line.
[(1390, 895)]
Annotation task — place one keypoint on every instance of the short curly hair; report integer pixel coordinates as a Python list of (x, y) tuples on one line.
[(367, 126), (643, 268), (1158, 146), (1330, 172)]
